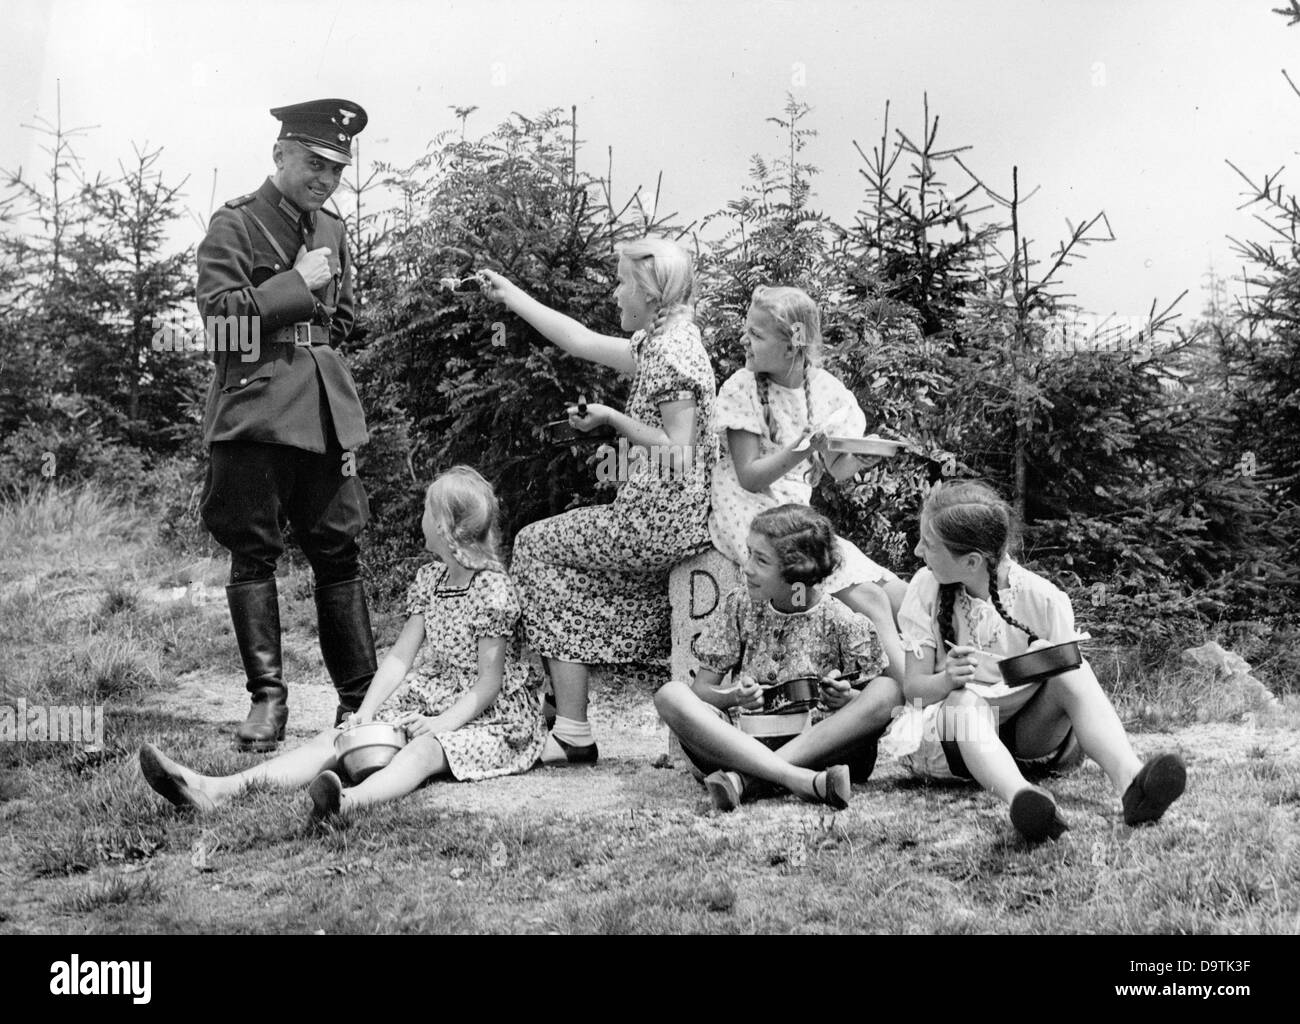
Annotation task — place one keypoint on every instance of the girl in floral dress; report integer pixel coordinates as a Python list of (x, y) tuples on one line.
[(594, 581), (781, 625), (773, 418), (454, 679), (971, 606)]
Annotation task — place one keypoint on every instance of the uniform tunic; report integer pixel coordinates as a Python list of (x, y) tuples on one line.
[(280, 425), (245, 267)]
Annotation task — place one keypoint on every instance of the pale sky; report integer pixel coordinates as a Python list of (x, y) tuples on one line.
[(1130, 107)]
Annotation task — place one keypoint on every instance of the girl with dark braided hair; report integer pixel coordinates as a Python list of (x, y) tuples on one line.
[(777, 627), (971, 606), (773, 418)]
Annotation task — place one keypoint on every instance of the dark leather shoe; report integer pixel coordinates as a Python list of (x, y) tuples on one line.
[(347, 643), (1158, 784), (558, 752), (1035, 816)]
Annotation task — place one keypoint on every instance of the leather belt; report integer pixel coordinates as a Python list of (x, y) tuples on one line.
[(303, 335)]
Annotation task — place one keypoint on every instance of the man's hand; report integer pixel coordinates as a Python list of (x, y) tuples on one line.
[(314, 267)]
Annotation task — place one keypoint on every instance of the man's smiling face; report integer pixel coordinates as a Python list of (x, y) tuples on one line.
[(303, 177)]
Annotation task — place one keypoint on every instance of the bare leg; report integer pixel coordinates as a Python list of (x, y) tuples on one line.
[(870, 600), (833, 739), (420, 759), (986, 756), (569, 678), (697, 726), (289, 770), (1077, 697)]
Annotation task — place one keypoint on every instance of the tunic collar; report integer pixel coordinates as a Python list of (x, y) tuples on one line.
[(296, 217)]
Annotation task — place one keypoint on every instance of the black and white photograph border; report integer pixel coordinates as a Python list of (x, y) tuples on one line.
[(490, 376)]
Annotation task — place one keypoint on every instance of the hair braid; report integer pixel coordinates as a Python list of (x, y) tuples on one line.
[(948, 611), (816, 464), (764, 383), (997, 603), (666, 314)]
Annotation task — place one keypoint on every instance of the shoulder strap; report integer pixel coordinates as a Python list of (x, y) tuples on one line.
[(269, 237), (241, 200)]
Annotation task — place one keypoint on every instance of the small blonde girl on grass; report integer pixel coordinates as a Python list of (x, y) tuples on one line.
[(781, 625), (773, 418), (454, 678), (969, 607)]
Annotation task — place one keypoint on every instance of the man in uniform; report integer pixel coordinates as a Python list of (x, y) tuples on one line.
[(283, 421)]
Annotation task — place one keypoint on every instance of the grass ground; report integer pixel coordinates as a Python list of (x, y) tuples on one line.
[(92, 611)]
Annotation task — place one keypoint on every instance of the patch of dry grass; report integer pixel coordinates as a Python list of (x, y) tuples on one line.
[(85, 846)]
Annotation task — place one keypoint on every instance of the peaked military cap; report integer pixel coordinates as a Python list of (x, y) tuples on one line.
[(326, 127)]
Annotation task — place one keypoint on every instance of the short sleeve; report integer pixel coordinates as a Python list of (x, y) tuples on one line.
[(718, 647), (496, 605), (1047, 609), (862, 646), (841, 412), (737, 407), (675, 377), (918, 623), (420, 591)]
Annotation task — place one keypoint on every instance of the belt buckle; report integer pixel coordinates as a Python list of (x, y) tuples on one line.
[(302, 339)]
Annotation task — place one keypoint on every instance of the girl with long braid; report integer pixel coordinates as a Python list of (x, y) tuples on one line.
[(971, 606), (773, 419), (594, 581)]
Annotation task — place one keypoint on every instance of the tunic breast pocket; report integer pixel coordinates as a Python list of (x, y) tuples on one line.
[(264, 269)]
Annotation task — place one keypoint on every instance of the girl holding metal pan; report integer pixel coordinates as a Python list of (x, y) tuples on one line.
[(971, 607), (779, 636)]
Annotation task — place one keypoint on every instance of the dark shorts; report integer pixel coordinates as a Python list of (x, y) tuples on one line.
[(1067, 755)]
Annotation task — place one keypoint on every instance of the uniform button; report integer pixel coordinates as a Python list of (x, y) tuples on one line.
[(243, 380), (276, 267)]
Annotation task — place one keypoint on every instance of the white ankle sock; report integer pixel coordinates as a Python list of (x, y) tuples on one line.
[(575, 734)]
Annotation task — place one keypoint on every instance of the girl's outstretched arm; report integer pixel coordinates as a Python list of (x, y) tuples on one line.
[(557, 328), (491, 672), (393, 669)]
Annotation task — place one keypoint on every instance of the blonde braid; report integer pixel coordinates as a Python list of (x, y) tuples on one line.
[(763, 382), (816, 464), (668, 313)]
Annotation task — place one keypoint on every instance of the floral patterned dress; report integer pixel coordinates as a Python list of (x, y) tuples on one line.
[(508, 736), (734, 507), (594, 581), (772, 646)]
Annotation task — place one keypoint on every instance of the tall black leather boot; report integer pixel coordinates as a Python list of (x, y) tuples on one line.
[(346, 642), (255, 613)]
